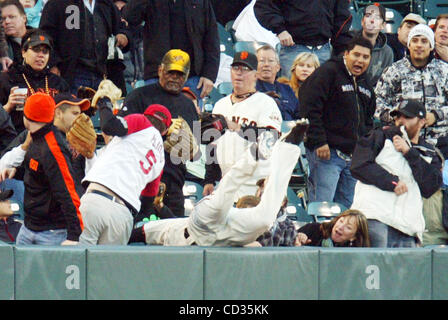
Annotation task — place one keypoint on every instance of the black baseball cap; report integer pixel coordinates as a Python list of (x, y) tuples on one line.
[(245, 58), (376, 5), (6, 194), (35, 39), (62, 98), (410, 108)]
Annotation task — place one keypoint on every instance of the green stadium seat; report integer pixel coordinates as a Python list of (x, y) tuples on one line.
[(249, 46), (432, 8), (225, 88), (296, 207), (212, 97), (225, 40), (192, 193), (393, 20), (324, 210)]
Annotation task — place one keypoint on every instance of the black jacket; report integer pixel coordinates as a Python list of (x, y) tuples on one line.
[(200, 25), (308, 22), (64, 21), (339, 109), (14, 77), (364, 168), (51, 198), (7, 130)]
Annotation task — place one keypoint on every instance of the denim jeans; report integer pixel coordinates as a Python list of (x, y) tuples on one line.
[(47, 238), (192, 83), (289, 54), (85, 78), (330, 180), (383, 236)]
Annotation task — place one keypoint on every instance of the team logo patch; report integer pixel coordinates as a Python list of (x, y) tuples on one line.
[(33, 164), (244, 55)]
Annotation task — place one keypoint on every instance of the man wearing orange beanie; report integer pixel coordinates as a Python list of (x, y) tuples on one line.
[(51, 201)]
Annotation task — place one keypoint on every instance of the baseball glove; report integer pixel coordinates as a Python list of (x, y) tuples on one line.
[(180, 142), (87, 93), (82, 136), (211, 121), (108, 89)]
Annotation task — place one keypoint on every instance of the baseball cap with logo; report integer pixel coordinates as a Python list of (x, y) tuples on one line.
[(176, 60), (36, 39), (71, 99), (245, 58), (422, 30), (376, 8), (413, 17), (39, 107), (410, 108), (159, 112)]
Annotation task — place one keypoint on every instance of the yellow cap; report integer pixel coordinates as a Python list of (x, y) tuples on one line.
[(177, 60)]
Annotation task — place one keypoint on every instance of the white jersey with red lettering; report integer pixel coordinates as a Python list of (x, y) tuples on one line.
[(259, 110), (132, 163)]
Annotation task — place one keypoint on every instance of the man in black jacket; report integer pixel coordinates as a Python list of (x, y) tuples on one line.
[(14, 24), (396, 168), (339, 103), (189, 25), (306, 26), (172, 72), (51, 201), (80, 34)]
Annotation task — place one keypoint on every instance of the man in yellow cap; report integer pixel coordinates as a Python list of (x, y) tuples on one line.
[(173, 72)]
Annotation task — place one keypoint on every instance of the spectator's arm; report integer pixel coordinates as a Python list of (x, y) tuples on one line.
[(270, 16), (49, 22), (211, 45), (134, 12), (341, 26)]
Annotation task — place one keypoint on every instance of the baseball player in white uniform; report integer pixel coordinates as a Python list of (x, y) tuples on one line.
[(250, 109), (214, 221), (131, 162)]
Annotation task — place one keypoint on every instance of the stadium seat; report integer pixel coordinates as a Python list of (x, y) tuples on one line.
[(225, 40), (229, 29), (192, 193), (393, 20), (432, 8), (296, 209), (250, 46), (213, 96), (356, 18), (225, 88), (324, 210)]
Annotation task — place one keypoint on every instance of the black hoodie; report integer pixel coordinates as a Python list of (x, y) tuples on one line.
[(339, 108)]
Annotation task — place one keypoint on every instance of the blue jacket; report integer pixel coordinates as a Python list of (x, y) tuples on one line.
[(287, 103)]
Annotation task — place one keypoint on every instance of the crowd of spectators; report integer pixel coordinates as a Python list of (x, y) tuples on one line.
[(375, 104)]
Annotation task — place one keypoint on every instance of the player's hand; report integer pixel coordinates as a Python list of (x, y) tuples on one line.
[(69, 243), (400, 188), (206, 85), (285, 39), (208, 189), (301, 239), (400, 144), (323, 152)]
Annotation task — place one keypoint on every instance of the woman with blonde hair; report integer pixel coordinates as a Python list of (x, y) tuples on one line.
[(349, 229), (303, 66)]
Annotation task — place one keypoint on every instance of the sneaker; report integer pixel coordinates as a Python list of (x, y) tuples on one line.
[(297, 133)]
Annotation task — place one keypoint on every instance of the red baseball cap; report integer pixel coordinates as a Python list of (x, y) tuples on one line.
[(39, 107), (159, 112)]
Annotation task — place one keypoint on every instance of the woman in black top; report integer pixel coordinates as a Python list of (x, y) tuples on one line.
[(349, 229), (33, 75)]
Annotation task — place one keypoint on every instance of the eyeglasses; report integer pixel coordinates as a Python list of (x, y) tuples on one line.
[(268, 61), (43, 49), (241, 68)]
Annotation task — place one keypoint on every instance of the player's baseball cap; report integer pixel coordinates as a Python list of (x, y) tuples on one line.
[(176, 60), (71, 99), (376, 7), (39, 107), (411, 108), (413, 17), (159, 112), (6, 194), (245, 58), (36, 39)]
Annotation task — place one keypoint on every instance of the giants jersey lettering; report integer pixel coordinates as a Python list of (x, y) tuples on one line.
[(130, 163), (258, 110)]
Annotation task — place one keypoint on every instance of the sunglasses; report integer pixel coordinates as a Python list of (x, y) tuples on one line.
[(43, 49)]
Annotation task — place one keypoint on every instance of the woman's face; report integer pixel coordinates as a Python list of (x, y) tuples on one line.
[(344, 229), (28, 3), (304, 69), (37, 57)]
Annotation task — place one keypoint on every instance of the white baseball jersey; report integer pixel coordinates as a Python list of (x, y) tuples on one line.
[(258, 110), (131, 164)]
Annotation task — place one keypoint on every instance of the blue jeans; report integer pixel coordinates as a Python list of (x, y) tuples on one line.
[(383, 236), (47, 238), (330, 180), (289, 54), (85, 78), (192, 83)]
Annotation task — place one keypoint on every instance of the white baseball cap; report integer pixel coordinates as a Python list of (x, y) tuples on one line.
[(422, 30)]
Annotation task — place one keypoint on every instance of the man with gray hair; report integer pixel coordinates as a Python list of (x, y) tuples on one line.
[(417, 76), (268, 67)]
